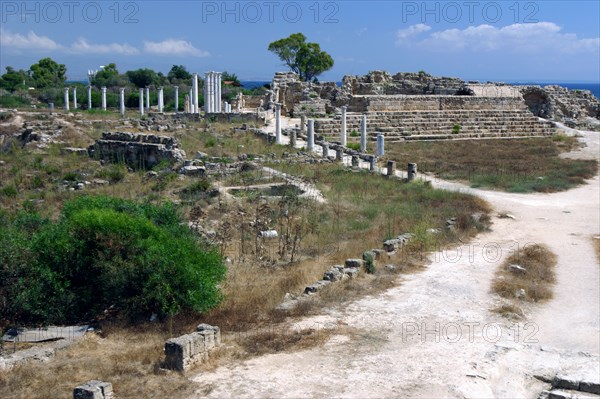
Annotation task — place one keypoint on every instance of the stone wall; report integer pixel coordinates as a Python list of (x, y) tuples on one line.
[(382, 83), (184, 352), (561, 104), (138, 151), (432, 103)]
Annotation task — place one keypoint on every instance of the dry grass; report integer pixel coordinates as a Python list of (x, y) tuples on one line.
[(519, 165), (510, 311), (536, 279), (128, 359)]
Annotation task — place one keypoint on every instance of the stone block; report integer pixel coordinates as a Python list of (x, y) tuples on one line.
[(354, 263), (351, 272), (590, 387), (316, 287), (215, 329), (333, 274), (93, 390), (563, 382)]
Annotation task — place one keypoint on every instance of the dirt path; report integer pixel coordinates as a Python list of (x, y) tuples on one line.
[(434, 336)]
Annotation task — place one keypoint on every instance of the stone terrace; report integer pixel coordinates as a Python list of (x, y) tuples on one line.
[(434, 117)]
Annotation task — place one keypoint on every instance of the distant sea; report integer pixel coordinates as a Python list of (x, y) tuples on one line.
[(593, 87)]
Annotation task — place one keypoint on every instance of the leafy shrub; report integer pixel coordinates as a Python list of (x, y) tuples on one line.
[(354, 133), (353, 146), (369, 263), (104, 253), (456, 129)]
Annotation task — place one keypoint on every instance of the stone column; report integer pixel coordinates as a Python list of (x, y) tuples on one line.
[(310, 135), (293, 135), (278, 123), (380, 145), (104, 99), (412, 171), (339, 154), (209, 92), (372, 163), (66, 99), (343, 133), (187, 104), (302, 124), (218, 91), (160, 99), (122, 101), (147, 99), (194, 96), (190, 107), (206, 92), (363, 134), (142, 102), (325, 149), (391, 168), (74, 97), (89, 88), (176, 98), (355, 161)]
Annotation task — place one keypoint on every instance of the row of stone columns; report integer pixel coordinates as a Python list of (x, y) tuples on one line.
[(212, 92), (212, 95)]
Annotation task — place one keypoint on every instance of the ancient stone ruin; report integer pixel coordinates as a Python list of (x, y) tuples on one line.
[(184, 352), (418, 106), (138, 151)]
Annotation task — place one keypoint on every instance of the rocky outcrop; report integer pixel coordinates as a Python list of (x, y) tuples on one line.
[(138, 151)]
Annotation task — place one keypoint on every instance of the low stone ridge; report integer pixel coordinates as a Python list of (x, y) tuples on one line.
[(184, 352), (137, 150), (93, 390), (396, 243)]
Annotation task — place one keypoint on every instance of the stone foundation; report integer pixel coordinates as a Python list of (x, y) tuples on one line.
[(184, 352), (138, 151)]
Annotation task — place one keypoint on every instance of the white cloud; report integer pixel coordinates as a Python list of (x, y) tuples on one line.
[(82, 46), (404, 36), (173, 47), (530, 38), (30, 41)]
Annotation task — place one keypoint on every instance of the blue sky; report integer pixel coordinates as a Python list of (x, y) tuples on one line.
[(475, 40)]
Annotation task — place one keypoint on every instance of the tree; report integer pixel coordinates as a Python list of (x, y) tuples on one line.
[(305, 59), (48, 73), (179, 73), (231, 77), (142, 77), (13, 80), (109, 77)]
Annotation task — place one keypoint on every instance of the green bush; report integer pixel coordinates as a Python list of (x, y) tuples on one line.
[(104, 253), (353, 146), (456, 129)]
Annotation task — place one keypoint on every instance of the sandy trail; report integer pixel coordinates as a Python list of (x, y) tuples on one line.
[(434, 334)]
